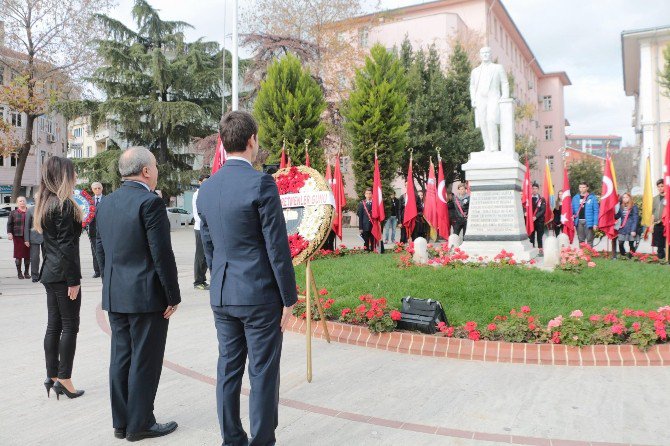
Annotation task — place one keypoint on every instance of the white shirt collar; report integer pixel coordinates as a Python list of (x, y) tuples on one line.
[(139, 182), (239, 158)]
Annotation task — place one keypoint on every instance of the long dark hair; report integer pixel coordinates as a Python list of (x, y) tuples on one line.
[(56, 187)]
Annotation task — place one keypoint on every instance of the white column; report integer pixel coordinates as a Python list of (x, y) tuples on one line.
[(507, 125)]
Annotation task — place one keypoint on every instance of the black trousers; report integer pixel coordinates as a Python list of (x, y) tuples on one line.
[(138, 346), (538, 233), (459, 225), (329, 244), (60, 340), (622, 247), (35, 252), (658, 240), (200, 263), (96, 267), (403, 234), (252, 330), (368, 240)]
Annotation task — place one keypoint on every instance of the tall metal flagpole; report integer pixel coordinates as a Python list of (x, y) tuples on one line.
[(223, 65), (235, 73)]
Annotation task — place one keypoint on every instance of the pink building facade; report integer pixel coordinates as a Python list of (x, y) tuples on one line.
[(441, 22)]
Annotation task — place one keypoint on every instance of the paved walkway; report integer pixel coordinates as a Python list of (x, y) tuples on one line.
[(358, 396)]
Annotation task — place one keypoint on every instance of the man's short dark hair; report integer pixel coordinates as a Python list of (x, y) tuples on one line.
[(585, 184), (536, 185), (203, 177), (659, 182), (368, 189), (236, 128)]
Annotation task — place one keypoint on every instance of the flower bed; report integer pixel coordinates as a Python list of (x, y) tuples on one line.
[(611, 327)]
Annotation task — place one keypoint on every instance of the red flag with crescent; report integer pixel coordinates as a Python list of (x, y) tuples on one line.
[(567, 219), (409, 218), (340, 200), (443, 223), (430, 204), (220, 155), (608, 201), (527, 199), (378, 214)]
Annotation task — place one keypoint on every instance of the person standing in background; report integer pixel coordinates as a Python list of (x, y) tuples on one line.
[(33, 240), (91, 227), (15, 227), (199, 263)]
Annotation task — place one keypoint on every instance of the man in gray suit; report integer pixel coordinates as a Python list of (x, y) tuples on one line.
[(252, 281), (34, 240)]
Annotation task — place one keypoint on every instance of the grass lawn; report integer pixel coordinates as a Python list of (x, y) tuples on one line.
[(481, 293)]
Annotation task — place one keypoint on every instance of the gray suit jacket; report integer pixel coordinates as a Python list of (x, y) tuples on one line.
[(244, 235), (31, 235)]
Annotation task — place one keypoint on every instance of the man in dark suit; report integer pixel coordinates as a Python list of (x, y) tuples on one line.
[(252, 289), (91, 227), (364, 214), (139, 290), (539, 210)]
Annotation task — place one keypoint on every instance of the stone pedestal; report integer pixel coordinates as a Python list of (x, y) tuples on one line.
[(495, 218)]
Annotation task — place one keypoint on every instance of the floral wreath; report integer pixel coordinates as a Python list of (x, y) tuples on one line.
[(85, 202), (298, 183)]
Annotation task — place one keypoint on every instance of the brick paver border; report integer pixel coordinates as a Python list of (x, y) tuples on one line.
[(490, 351), (366, 419)]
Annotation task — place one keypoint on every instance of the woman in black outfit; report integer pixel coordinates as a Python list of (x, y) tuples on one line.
[(58, 218)]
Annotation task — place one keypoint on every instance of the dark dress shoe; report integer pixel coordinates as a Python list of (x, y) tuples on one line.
[(96, 275), (120, 432), (157, 430)]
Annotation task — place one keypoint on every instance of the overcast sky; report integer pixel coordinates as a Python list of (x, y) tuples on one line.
[(581, 37)]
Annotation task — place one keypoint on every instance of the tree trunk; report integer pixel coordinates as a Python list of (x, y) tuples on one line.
[(162, 151), (23, 157)]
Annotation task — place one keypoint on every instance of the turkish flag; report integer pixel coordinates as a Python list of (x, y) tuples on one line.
[(378, 214), (329, 176), (666, 186), (609, 199), (220, 155), (430, 203), (340, 200), (567, 220), (443, 223), (409, 218), (282, 161), (527, 200)]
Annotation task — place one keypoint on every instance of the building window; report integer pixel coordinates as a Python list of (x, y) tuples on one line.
[(88, 151), (550, 158), (13, 160), (548, 132), (15, 119), (546, 103), (43, 156), (2, 113), (363, 34), (2, 161)]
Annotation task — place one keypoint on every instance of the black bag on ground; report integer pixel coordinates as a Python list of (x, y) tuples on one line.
[(421, 315)]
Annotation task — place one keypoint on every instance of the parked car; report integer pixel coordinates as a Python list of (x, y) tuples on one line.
[(185, 217), (6, 208)]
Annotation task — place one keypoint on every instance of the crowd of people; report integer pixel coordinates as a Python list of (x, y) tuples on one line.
[(546, 217)]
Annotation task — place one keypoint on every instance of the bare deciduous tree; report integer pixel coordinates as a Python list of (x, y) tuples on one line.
[(47, 49), (626, 165)]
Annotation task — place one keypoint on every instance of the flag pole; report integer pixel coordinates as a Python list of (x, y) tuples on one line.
[(235, 67), (223, 66)]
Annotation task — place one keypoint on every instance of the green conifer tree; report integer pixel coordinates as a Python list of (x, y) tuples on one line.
[(160, 90), (377, 118), (289, 106)]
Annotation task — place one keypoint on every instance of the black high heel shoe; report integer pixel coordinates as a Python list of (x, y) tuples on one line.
[(48, 383), (60, 390)]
